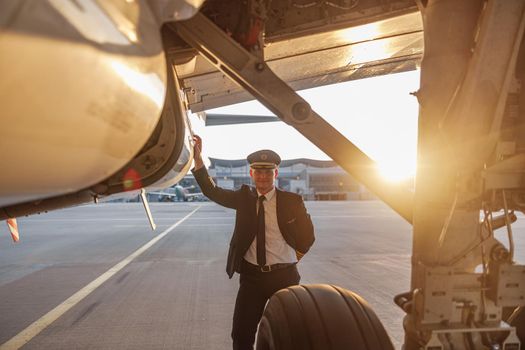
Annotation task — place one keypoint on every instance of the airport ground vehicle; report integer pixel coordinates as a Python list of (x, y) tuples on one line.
[(470, 152)]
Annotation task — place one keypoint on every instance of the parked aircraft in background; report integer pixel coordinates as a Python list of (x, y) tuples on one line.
[(95, 96), (179, 194)]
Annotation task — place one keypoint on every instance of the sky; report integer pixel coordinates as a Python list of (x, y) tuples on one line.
[(379, 115)]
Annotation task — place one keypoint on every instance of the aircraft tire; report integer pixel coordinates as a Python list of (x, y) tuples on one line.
[(320, 317)]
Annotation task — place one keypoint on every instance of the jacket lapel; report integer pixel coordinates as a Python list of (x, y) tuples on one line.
[(253, 208), (253, 199), (278, 203)]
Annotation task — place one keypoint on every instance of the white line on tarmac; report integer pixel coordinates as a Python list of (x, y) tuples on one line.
[(39, 325)]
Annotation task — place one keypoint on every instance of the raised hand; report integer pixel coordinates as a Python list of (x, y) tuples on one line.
[(197, 149)]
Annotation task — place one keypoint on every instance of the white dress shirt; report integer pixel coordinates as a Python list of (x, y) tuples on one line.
[(277, 250)]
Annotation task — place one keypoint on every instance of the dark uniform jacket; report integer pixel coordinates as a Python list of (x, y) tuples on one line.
[(294, 222)]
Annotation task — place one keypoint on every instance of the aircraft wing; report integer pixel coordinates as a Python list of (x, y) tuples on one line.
[(333, 47), (215, 119)]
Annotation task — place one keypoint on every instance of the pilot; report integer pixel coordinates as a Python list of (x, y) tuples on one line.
[(272, 233)]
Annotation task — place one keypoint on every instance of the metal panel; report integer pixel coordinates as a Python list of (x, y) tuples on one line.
[(391, 45), (507, 285)]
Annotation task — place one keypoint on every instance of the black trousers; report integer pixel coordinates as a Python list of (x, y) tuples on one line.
[(254, 291)]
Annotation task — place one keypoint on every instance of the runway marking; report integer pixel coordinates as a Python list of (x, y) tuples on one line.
[(39, 325)]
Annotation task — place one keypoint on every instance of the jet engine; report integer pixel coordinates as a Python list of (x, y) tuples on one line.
[(89, 105)]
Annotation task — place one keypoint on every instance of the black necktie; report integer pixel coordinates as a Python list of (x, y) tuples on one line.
[(261, 242)]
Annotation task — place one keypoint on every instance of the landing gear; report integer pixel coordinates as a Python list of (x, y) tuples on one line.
[(320, 317), (517, 319)]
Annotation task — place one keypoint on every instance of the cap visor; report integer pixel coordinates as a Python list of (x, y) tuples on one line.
[(260, 165)]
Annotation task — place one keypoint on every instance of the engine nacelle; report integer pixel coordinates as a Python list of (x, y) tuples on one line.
[(86, 111)]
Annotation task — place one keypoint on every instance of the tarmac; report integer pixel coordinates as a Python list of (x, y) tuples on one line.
[(97, 276)]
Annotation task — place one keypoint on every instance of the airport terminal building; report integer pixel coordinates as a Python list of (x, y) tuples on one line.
[(313, 179)]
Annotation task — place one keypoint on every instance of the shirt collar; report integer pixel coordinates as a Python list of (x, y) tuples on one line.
[(268, 195)]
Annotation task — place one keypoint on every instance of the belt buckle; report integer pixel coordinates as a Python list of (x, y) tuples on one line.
[(266, 268)]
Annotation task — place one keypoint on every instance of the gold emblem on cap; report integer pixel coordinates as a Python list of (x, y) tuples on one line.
[(264, 157)]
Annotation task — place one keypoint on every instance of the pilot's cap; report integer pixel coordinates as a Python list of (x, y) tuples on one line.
[(264, 159)]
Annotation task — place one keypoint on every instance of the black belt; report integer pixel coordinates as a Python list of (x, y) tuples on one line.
[(266, 268)]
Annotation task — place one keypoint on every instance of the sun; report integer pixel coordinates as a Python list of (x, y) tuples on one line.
[(397, 169)]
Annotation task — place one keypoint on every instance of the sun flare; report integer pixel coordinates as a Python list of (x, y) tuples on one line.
[(397, 171)]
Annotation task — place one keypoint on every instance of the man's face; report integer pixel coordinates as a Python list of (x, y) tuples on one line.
[(264, 179)]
